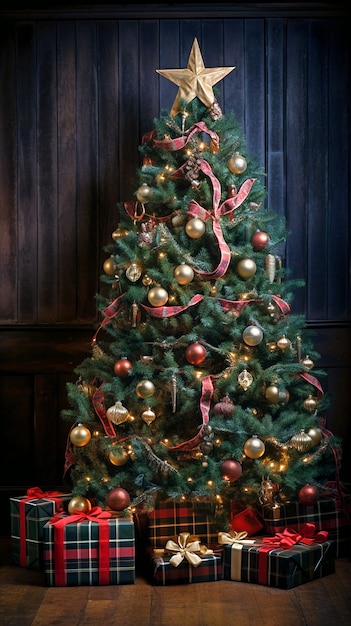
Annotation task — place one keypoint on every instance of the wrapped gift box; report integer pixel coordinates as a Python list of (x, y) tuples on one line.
[(185, 560), (325, 515), (93, 549), (170, 518), (29, 514), (246, 520), (270, 564)]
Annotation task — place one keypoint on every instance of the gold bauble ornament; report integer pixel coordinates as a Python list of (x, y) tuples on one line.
[(195, 228), (144, 193), (272, 394), (133, 272), (148, 416), (118, 457), (117, 413), (246, 268), (254, 448), (157, 296), (237, 164), (119, 233), (183, 274), (245, 379), (110, 266), (310, 404), (284, 343), (145, 389), (307, 362), (301, 441), (252, 335), (316, 435), (79, 504), (80, 435)]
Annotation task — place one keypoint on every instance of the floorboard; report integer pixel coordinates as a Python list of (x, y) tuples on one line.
[(26, 601)]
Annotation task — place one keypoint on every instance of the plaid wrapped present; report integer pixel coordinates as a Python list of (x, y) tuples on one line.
[(29, 514), (247, 520), (325, 515), (185, 561), (89, 549), (285, 561), (170, 518)]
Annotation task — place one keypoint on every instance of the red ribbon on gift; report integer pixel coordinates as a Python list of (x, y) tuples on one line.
[(34, 493), (285, 540), (96, 514), (290, 537)]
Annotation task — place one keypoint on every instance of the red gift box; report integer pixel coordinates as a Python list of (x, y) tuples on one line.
[(247, 520)]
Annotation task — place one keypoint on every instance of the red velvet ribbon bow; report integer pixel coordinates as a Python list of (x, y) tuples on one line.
[(289, 537), (96, 514), (34, 493)]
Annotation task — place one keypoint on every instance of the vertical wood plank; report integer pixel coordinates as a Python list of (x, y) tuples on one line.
[(148, 60), (255, 113), (275, 182), (317, 170), (67, 172), (233, 41), (8, 179), (169, 59), (108, 131), (295, 154), (45, 427), (47, 172), (17, 410), (27, 236), (129, 102), (87, 184), (339, 151)]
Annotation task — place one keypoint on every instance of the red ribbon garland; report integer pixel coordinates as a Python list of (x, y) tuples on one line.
[(34, 493), (99, 407), (179, 142), (97, 515), (205, 402), (286, 540)]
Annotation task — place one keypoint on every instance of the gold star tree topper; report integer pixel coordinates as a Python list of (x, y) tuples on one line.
[(195, 80)]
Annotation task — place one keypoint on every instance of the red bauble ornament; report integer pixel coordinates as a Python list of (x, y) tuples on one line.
[(122, 367), (259, 240), (118, 499), (231, 470), (308, 495), (195, 353)]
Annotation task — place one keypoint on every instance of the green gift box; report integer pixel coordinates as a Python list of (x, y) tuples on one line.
[(265, 562), (29, 515), (89, 549), (324, 514)]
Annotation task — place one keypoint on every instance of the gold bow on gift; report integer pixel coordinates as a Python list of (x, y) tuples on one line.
[(234, 537), (186, 549)]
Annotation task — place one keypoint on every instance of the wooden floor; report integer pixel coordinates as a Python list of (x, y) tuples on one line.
[(26, 601)]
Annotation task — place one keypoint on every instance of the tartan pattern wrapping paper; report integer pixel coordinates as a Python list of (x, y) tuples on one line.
[(29, 514), (169, 519), (277, 567), (325, 515), (80, 553), (163, 573)]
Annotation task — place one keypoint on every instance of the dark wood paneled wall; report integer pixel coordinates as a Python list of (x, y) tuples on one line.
[(78, 88)]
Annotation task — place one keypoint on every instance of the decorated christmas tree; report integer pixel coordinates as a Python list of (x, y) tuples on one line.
[(199, 384)]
